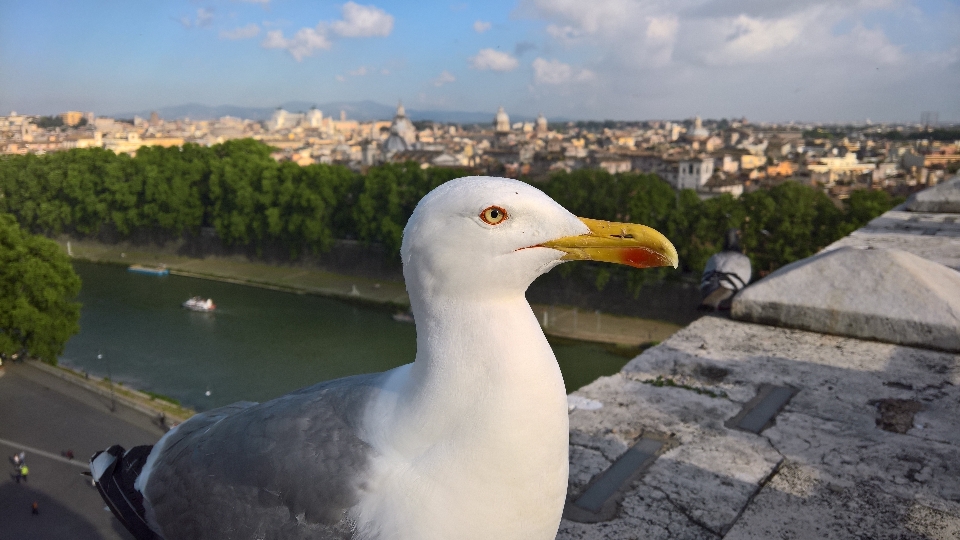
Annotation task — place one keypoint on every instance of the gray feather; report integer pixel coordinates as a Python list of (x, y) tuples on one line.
[(289, 468), (732, 264)]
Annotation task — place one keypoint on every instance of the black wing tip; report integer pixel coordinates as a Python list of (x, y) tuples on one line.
[(116, 485)]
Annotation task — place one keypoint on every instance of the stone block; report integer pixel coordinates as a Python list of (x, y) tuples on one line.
[(942, 198), (881, 294)]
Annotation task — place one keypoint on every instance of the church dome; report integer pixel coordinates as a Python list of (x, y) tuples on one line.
[(402, 126), (698, 133), (541, 122), (395, 143), (501, 121)]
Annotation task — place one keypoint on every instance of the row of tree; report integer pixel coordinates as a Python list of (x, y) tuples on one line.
[(252, 200)]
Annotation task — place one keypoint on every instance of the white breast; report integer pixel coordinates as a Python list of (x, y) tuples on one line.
[(471, 438)]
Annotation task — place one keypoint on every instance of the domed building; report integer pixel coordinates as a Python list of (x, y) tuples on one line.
[(541, 126), (698, 133), (501, 122), (394, 143), (402, 126)]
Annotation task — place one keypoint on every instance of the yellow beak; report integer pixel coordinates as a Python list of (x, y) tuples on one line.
[(622, 243)]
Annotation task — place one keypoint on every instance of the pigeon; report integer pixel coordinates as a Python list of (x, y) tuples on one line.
[(470, 440), (726, 274)]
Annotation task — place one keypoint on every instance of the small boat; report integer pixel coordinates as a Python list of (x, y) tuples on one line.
[(150, 270), (403, 316), (199, 304)]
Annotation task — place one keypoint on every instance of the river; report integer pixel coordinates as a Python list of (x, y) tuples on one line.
[(257, 345)]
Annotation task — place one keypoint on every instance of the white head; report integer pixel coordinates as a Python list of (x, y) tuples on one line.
[(483, 237), (468, 237)]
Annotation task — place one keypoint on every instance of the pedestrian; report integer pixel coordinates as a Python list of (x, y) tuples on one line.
[(35, 508), (24, 471)]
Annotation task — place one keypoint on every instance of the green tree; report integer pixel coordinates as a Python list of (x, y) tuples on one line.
[(37, 288)]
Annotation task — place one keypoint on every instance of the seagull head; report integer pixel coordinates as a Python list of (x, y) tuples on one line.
[(482, 237)]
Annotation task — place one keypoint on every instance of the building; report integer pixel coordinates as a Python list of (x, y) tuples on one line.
[(314, 118), (612, 163), (501, 122), (827, 170), (403, 127), (71, 118), (281, 119), (751, 161), (542, 126), (693, 173), (717, 185)]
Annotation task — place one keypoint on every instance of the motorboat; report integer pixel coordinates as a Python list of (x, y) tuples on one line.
[(200, 304)]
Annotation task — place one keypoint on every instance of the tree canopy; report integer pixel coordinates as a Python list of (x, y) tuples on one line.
[(37, 289)]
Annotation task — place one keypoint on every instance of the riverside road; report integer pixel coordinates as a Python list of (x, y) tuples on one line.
[(46, 416)]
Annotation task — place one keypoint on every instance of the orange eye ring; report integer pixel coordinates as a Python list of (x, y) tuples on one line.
[(493, 215)]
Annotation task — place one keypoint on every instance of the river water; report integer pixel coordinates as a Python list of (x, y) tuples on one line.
[(257, 345)]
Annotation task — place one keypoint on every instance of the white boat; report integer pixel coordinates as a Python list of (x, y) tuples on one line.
[(403, 316), (199, 304)]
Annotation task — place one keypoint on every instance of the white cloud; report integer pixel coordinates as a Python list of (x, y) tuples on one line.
[(204, 17), (359, 72), (358, 21), (493, 60), (363, 21), (749, 38), (556, 72), (263, 3), (481, 27), (444, 78), (241, 32), (301, 45), (340, 78), (800, 59)]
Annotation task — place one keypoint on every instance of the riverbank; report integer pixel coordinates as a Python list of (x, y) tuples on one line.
[(151, 405), (557, 321)]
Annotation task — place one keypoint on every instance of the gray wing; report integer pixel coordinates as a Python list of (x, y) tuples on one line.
[(289, 468)]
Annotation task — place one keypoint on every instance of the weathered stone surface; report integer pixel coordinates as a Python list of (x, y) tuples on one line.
[(798, 504), (825, 469), (703, 480), (888, 295), (935, 237), (944, 198), (839, 378)]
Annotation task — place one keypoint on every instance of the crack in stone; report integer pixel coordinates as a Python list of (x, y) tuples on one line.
[(683, 511)]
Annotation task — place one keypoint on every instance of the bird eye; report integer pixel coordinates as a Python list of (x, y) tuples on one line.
[(493, 215)]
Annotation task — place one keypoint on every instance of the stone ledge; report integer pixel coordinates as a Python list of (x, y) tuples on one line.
[(887, 295), (825, 469), (944, 198)]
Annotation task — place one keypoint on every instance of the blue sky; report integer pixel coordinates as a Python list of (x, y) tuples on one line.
[(837, 60)]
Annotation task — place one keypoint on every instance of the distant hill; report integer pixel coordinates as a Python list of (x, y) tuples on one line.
[(356, 110)]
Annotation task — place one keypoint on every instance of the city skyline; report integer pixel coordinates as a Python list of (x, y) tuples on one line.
[(886, 61)]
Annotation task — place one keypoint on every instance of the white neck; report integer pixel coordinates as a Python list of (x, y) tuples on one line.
[(478, 422)]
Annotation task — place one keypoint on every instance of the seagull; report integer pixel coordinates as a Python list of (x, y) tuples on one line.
[(470, 440), (725, 274)]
